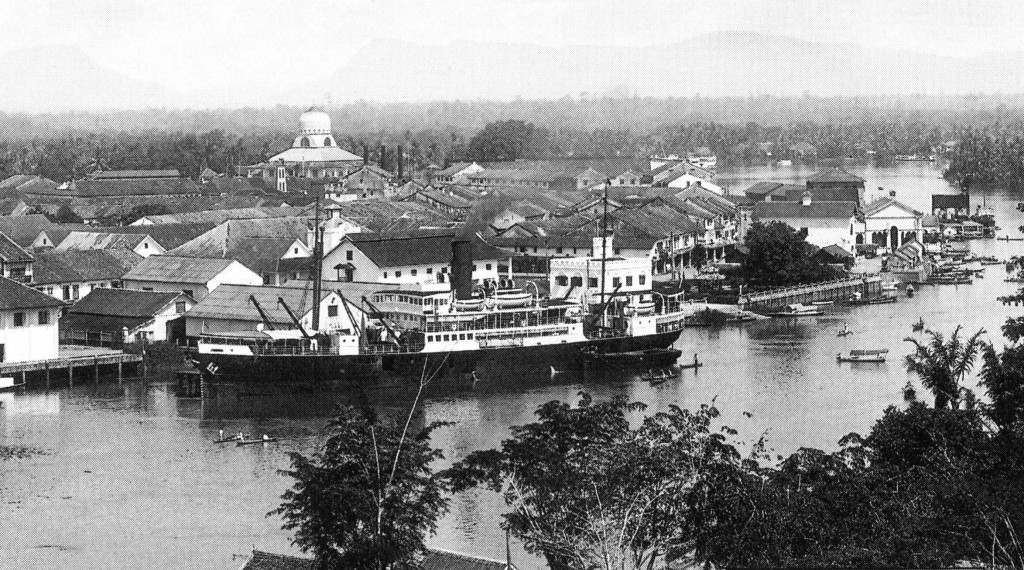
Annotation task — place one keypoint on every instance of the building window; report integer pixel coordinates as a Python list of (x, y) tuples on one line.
[(296, 251), (413, 272), (147, 288), (562, 280), (576, 281), (642, 279), (617, 251), (19, 319), (616, 282), (44, 317), (385, 275), (558, 250), (444, 269), (474, 267), (304, 142), (332, 310), (179, 307), (74, 291), (430, 270), (629, 281), (535, 249), (145, 245), (66, 290), (398, 274), (592, 282), (488, 267), (348, 255)]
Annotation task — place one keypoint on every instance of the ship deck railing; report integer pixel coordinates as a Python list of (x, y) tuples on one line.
[(485, 323)]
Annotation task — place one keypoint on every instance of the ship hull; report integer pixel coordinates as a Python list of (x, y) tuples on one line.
[(337, 369)]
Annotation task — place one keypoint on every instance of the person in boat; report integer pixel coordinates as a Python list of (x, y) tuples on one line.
[(846, 328), (265, 438), (221, 435), (240, 436)]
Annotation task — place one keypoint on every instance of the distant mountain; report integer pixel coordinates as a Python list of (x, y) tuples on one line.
[(713, 64), (55, 78), (721, 63)]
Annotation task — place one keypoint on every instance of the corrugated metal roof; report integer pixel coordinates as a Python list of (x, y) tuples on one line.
[(883, 203), (173, 269), (231, 302), (24, 229), (82, 240)]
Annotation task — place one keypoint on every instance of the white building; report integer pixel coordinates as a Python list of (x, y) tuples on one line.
[(194, 276), (822, 223), (406, 260), (141, 244), (229, 309), (314, 154), (128, 313), (889, 224), (28, 323), (582, 277)]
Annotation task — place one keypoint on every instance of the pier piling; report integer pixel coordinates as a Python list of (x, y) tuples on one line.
[(47, 366), (96, 370)]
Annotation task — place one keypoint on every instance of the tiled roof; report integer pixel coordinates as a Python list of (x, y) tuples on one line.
[(12, 252), (795, 194), (267, 561), (99, 240), (172, 269), (836, 251), (446, 199), (952, 201), (835, 174), (24, 229), (256, 244), (135, 174), (763, 188), (434, 559), (14, 295), (454, 169), (106, 323), (124, 302), (419, 250), (221, 216), (883, 203), (73, 266), (796, 210), (131, 187)]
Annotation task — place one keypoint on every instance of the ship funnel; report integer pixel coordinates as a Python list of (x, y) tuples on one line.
[(462, 268)]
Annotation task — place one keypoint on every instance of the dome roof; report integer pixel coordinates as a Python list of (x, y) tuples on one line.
[(315, 122)]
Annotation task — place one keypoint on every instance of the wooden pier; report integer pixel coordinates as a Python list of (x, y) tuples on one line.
[(868, 286), (69, 359)]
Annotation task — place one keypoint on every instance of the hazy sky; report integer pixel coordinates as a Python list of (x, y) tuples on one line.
[(193, 45)]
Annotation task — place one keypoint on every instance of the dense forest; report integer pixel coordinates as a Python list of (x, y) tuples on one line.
[(986, 129)]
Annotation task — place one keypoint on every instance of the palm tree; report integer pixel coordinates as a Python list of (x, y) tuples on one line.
[(942, 364)]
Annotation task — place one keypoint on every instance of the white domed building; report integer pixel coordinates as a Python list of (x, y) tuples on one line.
[(314, 154)]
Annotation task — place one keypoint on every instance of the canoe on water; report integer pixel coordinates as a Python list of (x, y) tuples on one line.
[(255, 441)]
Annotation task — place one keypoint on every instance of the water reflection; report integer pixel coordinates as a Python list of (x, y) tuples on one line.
[(130, 476)]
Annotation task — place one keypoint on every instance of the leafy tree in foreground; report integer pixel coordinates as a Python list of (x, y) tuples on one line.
[(942, 365), (588, 491), (367, 498), (779, 256)]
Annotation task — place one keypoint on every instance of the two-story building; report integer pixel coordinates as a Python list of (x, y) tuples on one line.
[(196, 277), (28, 323), (889, 224), (821, 223), (15, 262), (408, 259), (71, 275)]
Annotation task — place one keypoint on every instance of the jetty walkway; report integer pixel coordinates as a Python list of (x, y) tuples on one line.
[(868, 285), (70, 358)]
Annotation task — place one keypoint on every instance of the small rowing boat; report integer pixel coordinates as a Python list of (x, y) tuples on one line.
[(863, 356), (656, 377), (255, 441), (797, 310)]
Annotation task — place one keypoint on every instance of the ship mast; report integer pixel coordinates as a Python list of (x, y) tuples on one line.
[(604, 246), (317, 264)]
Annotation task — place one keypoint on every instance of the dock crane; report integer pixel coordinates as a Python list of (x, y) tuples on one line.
[(295, 319), (351, 317), (600, 311), (263, 315)]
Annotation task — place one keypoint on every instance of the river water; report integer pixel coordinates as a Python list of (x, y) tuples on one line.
[(128, 477)]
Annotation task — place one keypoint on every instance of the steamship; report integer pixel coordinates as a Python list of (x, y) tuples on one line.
[(595, 305)]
